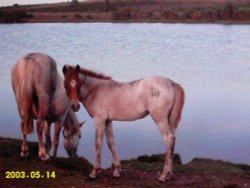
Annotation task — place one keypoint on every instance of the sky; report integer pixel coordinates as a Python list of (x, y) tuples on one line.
[(25, 2)]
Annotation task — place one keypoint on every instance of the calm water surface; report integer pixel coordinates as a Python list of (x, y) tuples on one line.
[(211, 62)]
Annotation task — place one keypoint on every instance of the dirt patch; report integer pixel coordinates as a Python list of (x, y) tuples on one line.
[(140, 172)]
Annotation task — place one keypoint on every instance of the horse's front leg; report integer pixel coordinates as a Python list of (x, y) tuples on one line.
[(99, 126), (42, 153), (57, 130), (111, 144)]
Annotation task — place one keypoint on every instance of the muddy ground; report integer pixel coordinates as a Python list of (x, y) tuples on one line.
[(140, 172)]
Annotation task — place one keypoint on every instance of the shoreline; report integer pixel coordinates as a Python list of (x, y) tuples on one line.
[(133, 22), (136, 22)]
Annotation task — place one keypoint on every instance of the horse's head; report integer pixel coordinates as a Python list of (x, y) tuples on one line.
[(71, 134), (72, 84)]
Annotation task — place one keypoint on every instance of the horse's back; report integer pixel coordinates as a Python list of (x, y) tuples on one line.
[(140, 97), (33, 71), (158, 80), (157, 87)]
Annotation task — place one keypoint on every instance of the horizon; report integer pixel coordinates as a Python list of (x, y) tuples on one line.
[(29, 2), (4, 3)]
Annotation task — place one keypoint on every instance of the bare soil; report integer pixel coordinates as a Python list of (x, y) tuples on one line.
[(140, 172)]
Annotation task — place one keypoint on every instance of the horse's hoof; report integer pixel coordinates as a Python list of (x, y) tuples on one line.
[(92, 178), (162, 180), (24, 154), (116, 175), (44, 156), (169, 176), (94, 174)]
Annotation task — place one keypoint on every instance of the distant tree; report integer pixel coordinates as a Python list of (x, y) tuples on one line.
[(74, 2), (229, 8), (107, 5)]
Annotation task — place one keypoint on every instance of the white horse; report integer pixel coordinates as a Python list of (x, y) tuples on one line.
[(107, 100), (40, 95)]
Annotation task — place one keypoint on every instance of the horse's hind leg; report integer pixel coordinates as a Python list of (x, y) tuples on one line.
[(24, 148), (111, 144), (47, 137), (57, 131), (42, 152), (26, 127), (168, 135), (43, 100)]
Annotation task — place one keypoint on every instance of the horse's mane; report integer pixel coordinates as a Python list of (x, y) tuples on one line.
[(94, 74)]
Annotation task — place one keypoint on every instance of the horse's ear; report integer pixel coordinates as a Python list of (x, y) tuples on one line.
[(64, 69), (81, 124), (77, 69)]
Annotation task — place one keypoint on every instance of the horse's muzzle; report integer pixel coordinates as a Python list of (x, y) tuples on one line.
[(75, 107), (73, 155)]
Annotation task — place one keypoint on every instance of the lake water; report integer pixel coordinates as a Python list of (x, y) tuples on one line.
[(211, 62)]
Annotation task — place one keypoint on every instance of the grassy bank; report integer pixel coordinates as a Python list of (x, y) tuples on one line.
[(131, 11), (140, 172)]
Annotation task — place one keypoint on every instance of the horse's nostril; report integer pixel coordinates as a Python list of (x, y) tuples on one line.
[(75, 107)]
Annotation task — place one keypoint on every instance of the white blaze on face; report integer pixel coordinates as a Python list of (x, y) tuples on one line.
[(73, 83)]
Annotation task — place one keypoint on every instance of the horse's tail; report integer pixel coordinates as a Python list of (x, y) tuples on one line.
[(175, 114), (22, 86)]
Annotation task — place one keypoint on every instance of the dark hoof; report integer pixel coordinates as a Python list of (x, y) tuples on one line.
[(92, 179), (161, 180), (170, 177), (116, 177), (44, 157), (24, 153)]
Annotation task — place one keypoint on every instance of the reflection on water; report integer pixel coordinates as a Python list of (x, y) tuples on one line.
[(210, 61)]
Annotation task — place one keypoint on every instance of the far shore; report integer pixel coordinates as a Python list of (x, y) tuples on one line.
[(137, 11)]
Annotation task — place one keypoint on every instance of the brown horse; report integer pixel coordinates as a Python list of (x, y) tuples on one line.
[(107, 100), (40, 95)]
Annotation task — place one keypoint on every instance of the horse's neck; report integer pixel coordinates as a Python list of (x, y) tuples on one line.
[(71, 119), (91, 84)]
